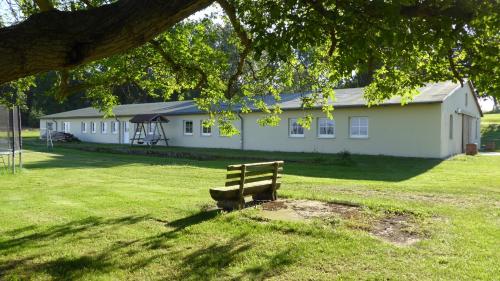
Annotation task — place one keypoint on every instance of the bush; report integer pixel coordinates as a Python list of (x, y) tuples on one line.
[(345, 159)]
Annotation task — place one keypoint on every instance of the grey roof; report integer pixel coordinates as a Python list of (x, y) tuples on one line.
[(353, 97)]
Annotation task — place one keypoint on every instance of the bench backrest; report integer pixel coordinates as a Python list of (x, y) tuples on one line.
[(242, 174)]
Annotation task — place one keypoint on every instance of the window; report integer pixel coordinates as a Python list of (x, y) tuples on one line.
[(126, 126), (114, 127), (326, 128), (84, 127), (93, 127), (205, 131), (451, 126), (50, 126), (466, 98), (151, 128), (104, 127), (188, 127), (66, 127), (358, 127), (295, 129)]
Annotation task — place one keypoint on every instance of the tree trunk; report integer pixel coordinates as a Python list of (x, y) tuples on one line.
[(56, 40)]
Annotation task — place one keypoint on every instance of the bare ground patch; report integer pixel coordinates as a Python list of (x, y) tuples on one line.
[(398, 229)]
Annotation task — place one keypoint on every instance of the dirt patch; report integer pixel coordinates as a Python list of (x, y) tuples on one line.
[(398, 229), (308, 209)]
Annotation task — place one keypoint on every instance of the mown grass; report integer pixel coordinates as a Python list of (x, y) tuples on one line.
[(79, 215), (490, 129)]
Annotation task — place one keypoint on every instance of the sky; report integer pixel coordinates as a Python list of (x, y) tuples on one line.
[(486, 104)]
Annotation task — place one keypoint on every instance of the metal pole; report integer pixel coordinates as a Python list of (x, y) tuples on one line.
[(19, 125), (164, 135), (13, 144)]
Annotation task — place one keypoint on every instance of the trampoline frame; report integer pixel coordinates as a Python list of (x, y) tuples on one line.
[(15, 148)]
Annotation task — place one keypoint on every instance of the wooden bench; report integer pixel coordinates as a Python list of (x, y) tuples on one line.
[(259, 180)]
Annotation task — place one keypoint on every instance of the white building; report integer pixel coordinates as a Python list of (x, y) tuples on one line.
[(437, 124)]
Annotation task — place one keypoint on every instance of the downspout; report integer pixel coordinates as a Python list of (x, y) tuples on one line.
[(242, 132), (20, 137), (119, 130), (54, 122)]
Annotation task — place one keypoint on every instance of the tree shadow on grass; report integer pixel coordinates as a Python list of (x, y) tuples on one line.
[(41, 240), (214, 261), (54, 232), (362, 167), (36, 253)]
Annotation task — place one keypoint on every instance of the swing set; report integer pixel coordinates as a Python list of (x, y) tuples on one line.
[(149, 129)]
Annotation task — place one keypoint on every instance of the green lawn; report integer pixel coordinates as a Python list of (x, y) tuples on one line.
[(490, 129), (81, 215)]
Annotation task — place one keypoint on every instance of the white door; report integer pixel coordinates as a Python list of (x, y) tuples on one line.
[(126, 128)]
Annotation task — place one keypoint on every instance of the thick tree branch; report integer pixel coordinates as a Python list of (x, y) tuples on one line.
[(454, 68), (56, 40), (424, 9), (177, 66), (246, 41), (458, 11), (330, 17), (44, 5)]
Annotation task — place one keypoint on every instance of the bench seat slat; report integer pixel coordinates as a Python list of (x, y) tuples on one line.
[(254, 165), (231, 192), (251, 173), (250, 180)]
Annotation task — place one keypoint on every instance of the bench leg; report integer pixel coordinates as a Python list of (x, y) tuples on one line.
[(228, 205)]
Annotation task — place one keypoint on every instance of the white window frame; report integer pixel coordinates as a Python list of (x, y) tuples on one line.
[(149, 128), (104, 127), (49, 126), (184, 122), (203, 128), (93, 127), (126, 126), (358, 127), (323, 122), (114, 127), (67, 127), (84, 127), (291, 134)]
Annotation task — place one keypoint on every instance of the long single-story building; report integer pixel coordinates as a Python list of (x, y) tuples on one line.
[(437, 123)]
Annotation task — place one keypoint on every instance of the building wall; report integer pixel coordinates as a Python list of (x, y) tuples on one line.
[(457, 100), (173, 130), (175, 133), (393, 130), (410, 130), (75, 128)]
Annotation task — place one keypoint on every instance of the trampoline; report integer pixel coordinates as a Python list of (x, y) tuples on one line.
[(10, 139)]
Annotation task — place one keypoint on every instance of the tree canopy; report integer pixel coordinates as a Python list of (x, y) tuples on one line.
[(255, 48)]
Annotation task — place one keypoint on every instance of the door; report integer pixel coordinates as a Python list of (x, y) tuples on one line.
[(126, 129), (466, 131)]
